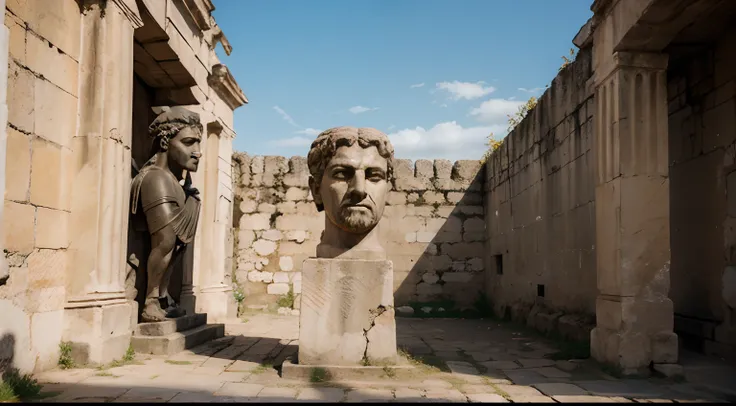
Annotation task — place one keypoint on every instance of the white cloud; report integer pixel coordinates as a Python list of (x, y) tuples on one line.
[(285, 116), (535, 90), (447, 140), (443, 105), (466, 90), (417, 85), (361, 109), (495, 111), (391, 127), (309, 131), (293, 142)]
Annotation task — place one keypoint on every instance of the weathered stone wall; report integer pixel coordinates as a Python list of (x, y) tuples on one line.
[(702, 137), (44, 51), (541, 213), (433, 227)]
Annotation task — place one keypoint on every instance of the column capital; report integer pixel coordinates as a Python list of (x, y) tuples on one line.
[(644, 61), (214, 127), (128, 8)]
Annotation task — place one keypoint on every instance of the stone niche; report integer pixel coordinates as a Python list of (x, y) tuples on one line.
[(347, 313)]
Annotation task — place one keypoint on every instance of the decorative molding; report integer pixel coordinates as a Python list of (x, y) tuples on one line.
[(226, 87), (200, 10), (130, 10), (219, 36)]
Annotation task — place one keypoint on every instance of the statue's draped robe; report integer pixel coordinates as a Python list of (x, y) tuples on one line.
[(154, 186)]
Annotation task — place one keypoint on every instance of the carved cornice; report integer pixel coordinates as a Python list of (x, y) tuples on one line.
[(130, 10), (600, 6), (200, 11), (584, 37), (226, 87)]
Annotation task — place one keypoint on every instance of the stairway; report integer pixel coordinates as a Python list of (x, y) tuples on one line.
[(173, 336)]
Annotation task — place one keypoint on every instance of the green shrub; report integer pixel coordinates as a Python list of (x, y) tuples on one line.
[(65, 355)]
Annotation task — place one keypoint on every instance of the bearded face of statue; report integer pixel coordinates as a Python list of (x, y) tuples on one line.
[(353, 188), (184, 149)]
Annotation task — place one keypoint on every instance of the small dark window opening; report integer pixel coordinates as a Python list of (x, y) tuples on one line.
[(499, 264), (540, 290)]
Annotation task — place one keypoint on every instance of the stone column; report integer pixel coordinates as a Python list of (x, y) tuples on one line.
[(634, 312), (215, 295), (97, 318), (4, 36)]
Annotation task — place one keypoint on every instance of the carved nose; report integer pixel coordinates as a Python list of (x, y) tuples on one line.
[(357, 188), (196, 155)]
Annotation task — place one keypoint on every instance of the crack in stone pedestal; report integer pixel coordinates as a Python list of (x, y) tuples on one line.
[(374, 313)]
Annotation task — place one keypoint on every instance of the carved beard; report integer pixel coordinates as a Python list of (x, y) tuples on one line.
[(357, 221)]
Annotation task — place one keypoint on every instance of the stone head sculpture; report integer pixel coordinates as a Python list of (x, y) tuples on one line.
[(351, 173), (177, 134)]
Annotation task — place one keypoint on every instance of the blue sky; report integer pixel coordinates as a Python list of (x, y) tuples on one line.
[(436, 75)]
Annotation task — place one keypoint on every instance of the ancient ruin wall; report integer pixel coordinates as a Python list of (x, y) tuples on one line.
[(433, 227), (541, 211), (42, 117)]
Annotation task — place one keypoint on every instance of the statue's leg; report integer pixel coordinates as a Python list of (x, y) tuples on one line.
[(162, 249), (171, 308)]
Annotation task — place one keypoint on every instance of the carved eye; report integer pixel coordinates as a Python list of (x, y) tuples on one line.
[(375, 176)]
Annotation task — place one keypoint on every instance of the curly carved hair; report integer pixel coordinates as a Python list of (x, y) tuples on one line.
[(171, 121), (323, 149)]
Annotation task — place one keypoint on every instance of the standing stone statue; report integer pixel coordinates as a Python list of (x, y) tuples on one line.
[(171, 210), (347, 315)]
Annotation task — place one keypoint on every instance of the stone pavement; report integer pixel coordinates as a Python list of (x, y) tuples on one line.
[(457, 361)]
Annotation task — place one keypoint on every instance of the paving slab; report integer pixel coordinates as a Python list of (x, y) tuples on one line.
[(551, 372), (525, 377), (275, 394), (500, 365), (148, 395), (486, 398), (585, 399), (321, 394), (625, 388), (445, 395), (239, 389), (535, 362), (193, 397), (370, 395), (408, 395), (560, 389)]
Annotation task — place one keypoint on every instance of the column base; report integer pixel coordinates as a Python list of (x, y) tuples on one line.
[(188, 300), (98, 328), (632, 352), (218, 302)]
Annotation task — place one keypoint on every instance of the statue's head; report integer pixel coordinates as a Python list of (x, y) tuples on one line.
[(351, 173), (177, 133)]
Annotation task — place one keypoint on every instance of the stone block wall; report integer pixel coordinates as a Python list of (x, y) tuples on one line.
[(44, 52), (433, 227), (540, 220), (702, 139)]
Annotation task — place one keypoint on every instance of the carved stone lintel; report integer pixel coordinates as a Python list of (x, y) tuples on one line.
[(223, 82)]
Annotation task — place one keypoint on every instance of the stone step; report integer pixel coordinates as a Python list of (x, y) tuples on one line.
[(178, 341), (164, 328)]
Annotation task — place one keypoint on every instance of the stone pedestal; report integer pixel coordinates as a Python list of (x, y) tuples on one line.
[(347, 313)]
